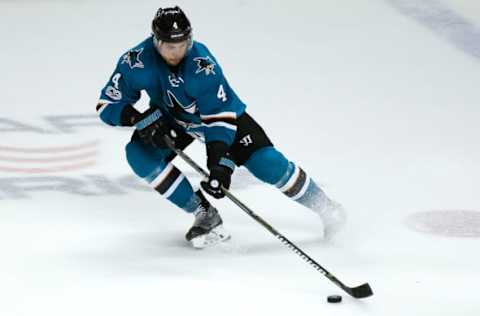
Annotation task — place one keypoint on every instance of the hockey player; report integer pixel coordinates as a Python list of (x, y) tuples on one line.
[(190, 99)]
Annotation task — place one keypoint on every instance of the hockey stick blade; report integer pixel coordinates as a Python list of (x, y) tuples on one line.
[(361, 291)]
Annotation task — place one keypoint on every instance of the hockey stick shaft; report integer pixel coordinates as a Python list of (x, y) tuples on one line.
[(361, 291)]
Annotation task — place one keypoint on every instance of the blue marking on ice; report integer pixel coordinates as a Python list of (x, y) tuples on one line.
[(443, 21)]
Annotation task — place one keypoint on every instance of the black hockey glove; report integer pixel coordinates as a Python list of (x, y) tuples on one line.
[(150, 125), (221, 169), (219, 177)]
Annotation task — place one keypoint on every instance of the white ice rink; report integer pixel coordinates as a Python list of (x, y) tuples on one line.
[(377, 99)]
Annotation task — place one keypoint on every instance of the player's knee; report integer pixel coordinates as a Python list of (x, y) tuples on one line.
[(267, 164), (141, 164), (133, 159)]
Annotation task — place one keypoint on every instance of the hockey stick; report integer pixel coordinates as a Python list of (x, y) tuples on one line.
[(360, 291)]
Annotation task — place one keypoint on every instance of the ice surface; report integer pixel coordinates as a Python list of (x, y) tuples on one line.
[(382, 111)]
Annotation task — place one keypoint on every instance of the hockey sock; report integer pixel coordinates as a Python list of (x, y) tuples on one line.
[(271, 166), (297, 185), (174, 186), (153, 166)]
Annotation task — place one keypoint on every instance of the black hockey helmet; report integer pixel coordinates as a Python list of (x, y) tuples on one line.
[(171, 25)]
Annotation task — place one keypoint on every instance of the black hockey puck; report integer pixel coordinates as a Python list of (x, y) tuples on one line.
[(334, 299)]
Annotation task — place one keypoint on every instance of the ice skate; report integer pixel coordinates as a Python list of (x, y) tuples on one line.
[(207, 229), (334, 218)]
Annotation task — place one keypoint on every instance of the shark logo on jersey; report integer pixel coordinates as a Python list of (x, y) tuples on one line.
[(178, 106), (132, 58), (205, 64)]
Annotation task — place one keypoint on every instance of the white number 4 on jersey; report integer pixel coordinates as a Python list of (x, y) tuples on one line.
[(221, 93)]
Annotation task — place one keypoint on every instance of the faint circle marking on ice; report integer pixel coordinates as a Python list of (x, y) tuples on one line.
[(448, 223)]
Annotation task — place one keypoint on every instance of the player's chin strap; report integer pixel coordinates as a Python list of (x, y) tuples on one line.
[(360, 291)]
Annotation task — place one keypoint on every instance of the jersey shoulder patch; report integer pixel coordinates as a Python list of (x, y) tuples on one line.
[(202, 69), (202, 63), (132, 58), (138, 57), (205, 65)]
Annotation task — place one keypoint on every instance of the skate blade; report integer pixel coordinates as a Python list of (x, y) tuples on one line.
[(215, 236)]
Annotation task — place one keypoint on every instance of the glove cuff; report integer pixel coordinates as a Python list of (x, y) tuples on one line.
[(225, 162), (217, 155), (215, 151)]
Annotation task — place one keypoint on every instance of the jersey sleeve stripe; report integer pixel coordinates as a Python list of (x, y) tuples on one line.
[(219, 116), (226, 120), (102, 104), (222, 124)]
